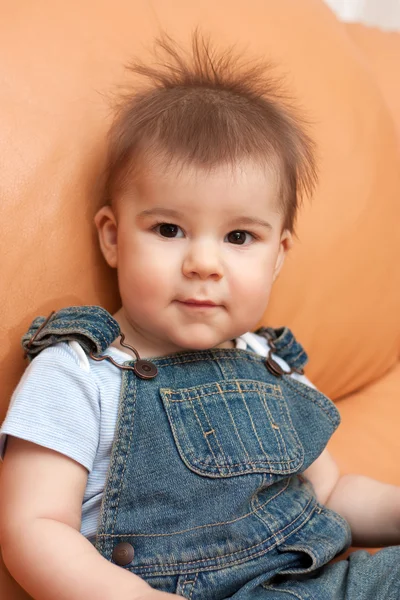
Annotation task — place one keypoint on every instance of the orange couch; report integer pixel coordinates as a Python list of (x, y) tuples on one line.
[(60, 68)]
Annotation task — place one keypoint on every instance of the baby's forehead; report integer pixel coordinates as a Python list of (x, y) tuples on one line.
[(175, 177), (224, 192)]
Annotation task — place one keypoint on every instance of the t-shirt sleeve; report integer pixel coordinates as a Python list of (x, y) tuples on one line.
[(56, 405)]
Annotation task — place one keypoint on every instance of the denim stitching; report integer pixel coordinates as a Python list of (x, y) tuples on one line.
[(281, 344), (234, 423), (287, 421), (134, 535), (196, 463), (227, 369), (51, 331), (307, 550), (98, 310), (106, 315), (197, 460), (339, 520), (110, 321), (252, 423), (212, 430), (206, 437), (255, 463), (73, 329), (249, 514), (107, 488), (334, 421), (98, 331), (251, 384), (283, 413), (286, 418), (123, 390), (192, 590), (258, 508), (183, 453), (186, 391), (238, 561), (297, 358), (176, 429), (291, 592), (170, 361), (272, 422), (59, 325), (192, 581)]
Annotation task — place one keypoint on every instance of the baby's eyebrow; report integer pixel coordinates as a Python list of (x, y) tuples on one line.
[(158, 210), (246, 221), (242, 221)]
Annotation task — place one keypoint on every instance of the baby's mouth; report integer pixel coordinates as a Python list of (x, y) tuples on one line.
[(198, 303)]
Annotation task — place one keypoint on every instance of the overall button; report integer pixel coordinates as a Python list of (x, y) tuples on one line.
[(123, 554), (273, 367), (145, 369)]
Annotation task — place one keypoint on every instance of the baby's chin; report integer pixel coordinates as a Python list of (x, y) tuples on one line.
[(204, 343), (200, 336)]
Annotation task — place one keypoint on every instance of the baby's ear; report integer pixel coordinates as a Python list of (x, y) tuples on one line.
[(107, 230), (285, 244)]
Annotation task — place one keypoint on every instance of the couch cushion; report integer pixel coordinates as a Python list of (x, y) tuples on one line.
[(367, 440), (60, 64), (381, 51)]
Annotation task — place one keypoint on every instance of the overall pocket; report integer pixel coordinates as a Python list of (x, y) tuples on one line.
[(223, 429)]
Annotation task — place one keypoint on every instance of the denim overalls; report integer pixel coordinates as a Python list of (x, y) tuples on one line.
[(204, 495)]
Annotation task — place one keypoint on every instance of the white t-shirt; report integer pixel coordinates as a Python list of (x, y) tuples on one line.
[(68, 402)]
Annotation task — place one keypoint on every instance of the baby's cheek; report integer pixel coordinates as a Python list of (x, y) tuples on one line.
[(138, 289), (148, 290), (149, 273), (252, 300), (254, 281)]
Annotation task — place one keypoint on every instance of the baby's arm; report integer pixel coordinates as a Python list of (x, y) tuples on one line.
[(371, 508), (40, 517)]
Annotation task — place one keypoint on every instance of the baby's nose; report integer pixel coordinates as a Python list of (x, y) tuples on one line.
[(203, 260)]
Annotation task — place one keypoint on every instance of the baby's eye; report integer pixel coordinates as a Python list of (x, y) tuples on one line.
[(239, 237), (168, 230)]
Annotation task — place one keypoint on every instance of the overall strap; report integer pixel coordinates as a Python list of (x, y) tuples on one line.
[(283, 343), (92, 326)]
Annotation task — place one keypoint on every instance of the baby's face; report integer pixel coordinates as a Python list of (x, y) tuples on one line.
[(196, 253)]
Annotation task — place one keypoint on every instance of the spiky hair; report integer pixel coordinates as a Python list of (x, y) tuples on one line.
[(209, 108)]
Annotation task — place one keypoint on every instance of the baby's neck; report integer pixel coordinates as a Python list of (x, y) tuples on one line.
[(144, 347)]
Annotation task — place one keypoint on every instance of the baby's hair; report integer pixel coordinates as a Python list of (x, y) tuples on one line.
[(209, 108)]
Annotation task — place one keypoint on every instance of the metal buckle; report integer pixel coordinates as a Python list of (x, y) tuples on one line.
[(33, 338)]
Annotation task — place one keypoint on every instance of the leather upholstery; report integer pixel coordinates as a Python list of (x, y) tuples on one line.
[(60, 68)]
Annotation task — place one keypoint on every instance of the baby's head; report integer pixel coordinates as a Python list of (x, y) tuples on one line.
[(206, 168)]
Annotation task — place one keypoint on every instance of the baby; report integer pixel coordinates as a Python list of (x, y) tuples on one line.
[(167, 450)]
